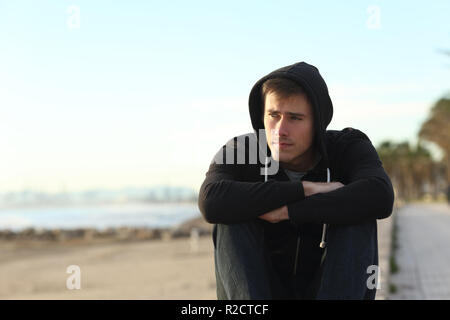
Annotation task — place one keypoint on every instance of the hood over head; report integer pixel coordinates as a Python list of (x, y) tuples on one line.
[(309, 78)]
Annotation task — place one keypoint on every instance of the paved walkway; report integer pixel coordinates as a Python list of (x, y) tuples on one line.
[(423, 254), (384, 227)]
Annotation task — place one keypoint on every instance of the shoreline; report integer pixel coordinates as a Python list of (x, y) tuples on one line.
[(90, 204), (193, 227)]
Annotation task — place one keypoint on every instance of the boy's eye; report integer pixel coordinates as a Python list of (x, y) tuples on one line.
[(273, 115)]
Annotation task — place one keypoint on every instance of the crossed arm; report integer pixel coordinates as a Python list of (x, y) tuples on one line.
[(310, 188), (367, 195)]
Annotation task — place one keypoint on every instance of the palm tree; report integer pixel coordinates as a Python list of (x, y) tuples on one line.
[(412, 170), (436, 129)]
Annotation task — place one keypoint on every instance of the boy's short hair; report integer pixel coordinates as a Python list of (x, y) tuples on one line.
[(282, 87)]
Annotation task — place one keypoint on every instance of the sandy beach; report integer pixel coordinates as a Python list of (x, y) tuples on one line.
[(153, 269), (171, 266)]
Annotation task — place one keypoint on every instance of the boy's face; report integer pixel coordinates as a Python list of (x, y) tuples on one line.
[(289, 125)]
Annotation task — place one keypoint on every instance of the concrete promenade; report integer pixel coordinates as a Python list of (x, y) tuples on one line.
[(384, 227), (423, 254)]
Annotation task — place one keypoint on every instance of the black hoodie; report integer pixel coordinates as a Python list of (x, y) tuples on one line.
[(235, 191)]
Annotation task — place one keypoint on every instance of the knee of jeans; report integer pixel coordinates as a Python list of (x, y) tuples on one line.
[(250, 231), (358, 236)]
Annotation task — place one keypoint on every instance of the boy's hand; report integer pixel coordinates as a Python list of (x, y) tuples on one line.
[(311, 188), (276, 215)]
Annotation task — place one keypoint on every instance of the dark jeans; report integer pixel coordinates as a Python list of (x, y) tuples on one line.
[(245, 267)]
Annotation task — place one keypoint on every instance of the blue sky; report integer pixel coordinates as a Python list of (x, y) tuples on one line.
[(144, 93)]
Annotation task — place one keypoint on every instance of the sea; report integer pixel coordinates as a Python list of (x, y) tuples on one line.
[(154, 215)]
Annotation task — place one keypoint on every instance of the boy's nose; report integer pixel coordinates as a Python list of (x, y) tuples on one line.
[(282, 128)]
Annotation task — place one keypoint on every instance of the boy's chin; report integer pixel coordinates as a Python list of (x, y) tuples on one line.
[(282, 158)]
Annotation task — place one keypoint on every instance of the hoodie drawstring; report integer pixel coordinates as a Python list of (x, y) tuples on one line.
[(265, 170), (325, 226)]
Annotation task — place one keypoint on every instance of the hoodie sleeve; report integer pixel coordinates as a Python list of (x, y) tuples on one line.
[(225, 198), (367, 194)]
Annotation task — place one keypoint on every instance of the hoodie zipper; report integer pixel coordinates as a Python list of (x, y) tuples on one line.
[(298, 237), (296, 256), (322, 243)]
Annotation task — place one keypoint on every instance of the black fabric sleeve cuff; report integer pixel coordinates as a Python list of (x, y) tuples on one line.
[(293, 190)]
